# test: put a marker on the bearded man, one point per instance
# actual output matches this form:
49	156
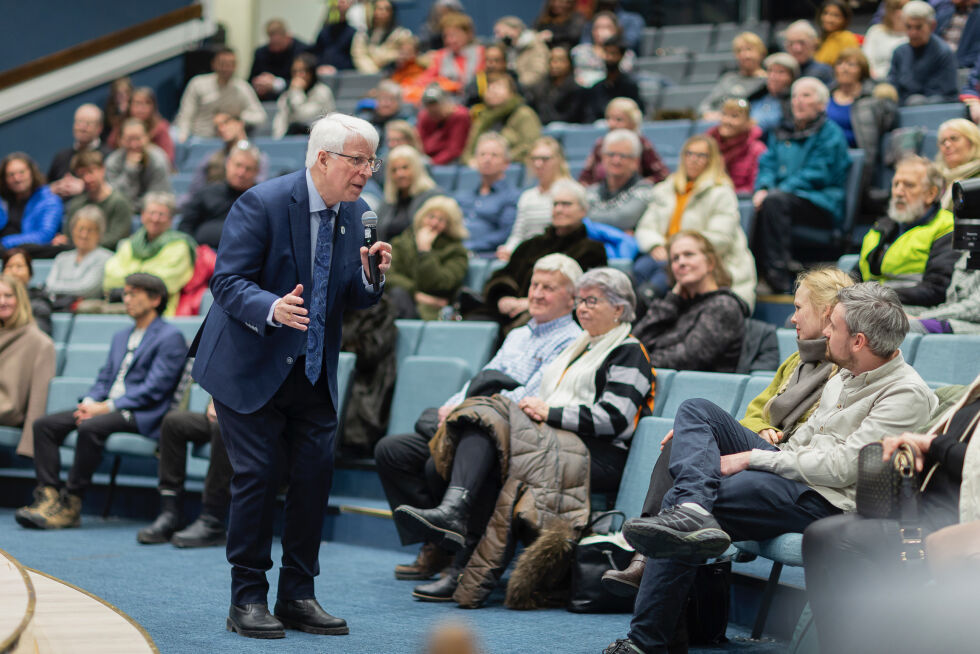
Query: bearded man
911	250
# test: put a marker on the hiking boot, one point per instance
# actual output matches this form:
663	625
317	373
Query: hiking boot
44	497
63	513
430	560
444	525
623	646
677	532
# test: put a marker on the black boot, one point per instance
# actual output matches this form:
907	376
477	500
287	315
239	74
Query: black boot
440	590
206	531
166	523
444	525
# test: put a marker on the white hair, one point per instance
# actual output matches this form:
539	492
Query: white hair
823	95
623	136
919	9
573	187
802	26
561	263
330	134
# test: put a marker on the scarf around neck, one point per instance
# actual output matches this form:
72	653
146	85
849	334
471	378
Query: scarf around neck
963	171
802	390
570	378
144	249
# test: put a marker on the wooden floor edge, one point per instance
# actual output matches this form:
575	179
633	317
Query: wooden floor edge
11	640
142	631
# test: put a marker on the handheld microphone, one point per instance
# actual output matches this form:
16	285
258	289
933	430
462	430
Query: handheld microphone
370	221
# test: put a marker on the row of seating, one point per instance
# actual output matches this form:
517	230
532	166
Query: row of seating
705	37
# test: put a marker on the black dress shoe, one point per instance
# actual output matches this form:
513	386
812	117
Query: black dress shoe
440	590
161	530
307	615
206	531
254	621
444	525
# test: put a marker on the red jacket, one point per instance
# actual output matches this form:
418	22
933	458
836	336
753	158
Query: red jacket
444	141
741	154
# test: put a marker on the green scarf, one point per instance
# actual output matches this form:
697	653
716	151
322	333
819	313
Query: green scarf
144	249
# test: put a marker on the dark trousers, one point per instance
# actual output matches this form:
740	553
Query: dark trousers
773	239
177	430
750	505
50	432
295	430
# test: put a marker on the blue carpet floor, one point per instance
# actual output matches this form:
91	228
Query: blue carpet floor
181	598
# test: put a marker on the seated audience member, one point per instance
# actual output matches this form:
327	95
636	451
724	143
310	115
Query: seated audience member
526	55
699	197
740	141
959	154
408	71
407	187
333	44
443	126
547	163
138	167
272	62
86	128
29	212
559	23
90	168
156	249
770	106
432	261
489	211
923	71
387	107
209	94
700	323
617	83
958	25
27	363
17	263
800	41
133	391
506	114
494	67
143	107
750	78
970	95
630	23
402	132
834	19
375	49
589	399
455	64
882	38
231	131
203	215
303	101
116	106
621	197
77	274
959	313
558	97
776	412
624	113
505	294
588	59
722	469
430	34
861	573
178	429
911	249
800	181
404	462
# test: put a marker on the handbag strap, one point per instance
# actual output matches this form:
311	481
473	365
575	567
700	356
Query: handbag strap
596	517
912	550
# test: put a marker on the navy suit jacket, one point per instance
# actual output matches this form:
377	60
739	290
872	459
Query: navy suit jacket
265	251
152	378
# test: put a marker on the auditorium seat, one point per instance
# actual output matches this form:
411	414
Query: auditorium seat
474	342
423	382
949	358
84	359
723	389
96	330
643	455
409	333
755	385
662	390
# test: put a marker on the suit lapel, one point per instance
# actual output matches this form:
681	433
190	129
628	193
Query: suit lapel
299	227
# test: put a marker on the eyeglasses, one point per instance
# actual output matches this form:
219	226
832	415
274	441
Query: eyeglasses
590	301
373	164
703	156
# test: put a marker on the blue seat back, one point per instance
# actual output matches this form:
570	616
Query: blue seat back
96	330
930	116
65	392
444	176
477	273
910	347
644	452
662	390
473	342
84	359
61	326
424	382
188	326
846	262
949	358
755	385
723	389
199	399
409	333
195	153
667	136
787	342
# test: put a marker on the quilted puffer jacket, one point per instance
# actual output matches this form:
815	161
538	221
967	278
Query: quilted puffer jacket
545	475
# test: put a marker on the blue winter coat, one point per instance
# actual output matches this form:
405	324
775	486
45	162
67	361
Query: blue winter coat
811	165
40	222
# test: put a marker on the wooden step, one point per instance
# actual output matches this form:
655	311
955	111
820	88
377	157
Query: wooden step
17	603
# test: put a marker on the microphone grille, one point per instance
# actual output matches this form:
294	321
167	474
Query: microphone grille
369	219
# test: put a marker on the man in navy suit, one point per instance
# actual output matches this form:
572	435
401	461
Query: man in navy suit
291	261
133	391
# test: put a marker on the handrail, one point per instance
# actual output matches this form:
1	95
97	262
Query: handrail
99	45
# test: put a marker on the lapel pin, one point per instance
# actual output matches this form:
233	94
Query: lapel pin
342	231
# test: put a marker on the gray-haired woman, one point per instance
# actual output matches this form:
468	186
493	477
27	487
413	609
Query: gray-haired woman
78	273
597	389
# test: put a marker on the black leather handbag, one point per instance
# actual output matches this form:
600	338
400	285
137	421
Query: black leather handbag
890	490
599	550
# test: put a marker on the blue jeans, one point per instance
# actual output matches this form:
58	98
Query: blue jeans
750	505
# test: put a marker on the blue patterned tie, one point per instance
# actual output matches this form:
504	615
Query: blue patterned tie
318	300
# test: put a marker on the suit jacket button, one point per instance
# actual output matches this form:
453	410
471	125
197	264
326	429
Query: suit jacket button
289	360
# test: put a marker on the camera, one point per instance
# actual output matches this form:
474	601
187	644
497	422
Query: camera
966	220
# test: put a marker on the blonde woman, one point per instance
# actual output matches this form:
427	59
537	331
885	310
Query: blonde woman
401	132
624	113
959	154
698	197
407	185
429	260
750	77
882	38
547	163
27	363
